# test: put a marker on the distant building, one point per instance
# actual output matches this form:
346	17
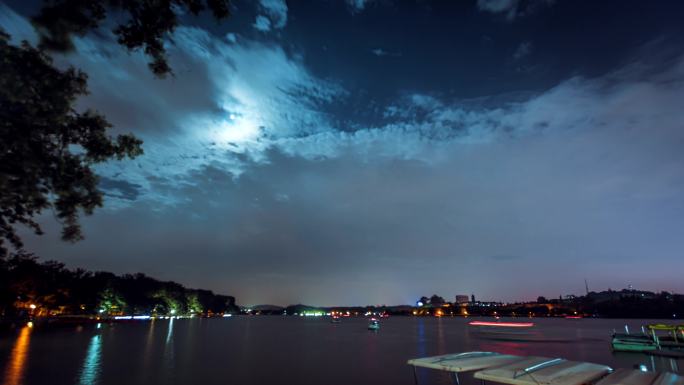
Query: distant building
486	304
461	299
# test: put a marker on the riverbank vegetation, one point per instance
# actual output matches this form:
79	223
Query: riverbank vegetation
29	287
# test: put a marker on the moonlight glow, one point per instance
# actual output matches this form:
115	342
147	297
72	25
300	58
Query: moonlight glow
372	152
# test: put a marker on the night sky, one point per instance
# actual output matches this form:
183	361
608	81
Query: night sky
370	152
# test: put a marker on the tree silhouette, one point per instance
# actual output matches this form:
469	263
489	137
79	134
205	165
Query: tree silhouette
145	25
47	146
436	300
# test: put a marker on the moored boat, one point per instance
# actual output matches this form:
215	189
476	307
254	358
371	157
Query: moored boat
531	370
623	342
653	337
374	324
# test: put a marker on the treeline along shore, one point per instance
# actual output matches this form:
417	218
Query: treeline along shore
626	303
30	289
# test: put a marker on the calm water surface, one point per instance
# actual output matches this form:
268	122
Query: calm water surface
284	350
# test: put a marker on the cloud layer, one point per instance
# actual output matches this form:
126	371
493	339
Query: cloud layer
251	185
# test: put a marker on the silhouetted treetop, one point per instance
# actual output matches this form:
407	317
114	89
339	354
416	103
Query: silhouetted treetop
48	147
146	23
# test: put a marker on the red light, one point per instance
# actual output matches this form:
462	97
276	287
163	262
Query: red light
573	317
502	324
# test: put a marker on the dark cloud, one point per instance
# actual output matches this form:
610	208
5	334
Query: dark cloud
523	50
512	8
119	188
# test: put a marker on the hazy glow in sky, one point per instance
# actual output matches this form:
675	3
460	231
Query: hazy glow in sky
364	152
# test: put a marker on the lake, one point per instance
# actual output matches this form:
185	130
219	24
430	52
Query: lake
281	350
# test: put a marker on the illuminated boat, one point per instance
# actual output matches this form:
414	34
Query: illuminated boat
374	324
335	319
510	331
501	324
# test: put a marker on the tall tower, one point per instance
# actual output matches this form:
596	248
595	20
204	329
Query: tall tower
586	286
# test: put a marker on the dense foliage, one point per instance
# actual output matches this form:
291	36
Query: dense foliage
57	290
144	24
47	148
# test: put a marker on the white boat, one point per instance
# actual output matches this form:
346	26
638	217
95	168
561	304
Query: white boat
545	371
522	370
461	362
374	324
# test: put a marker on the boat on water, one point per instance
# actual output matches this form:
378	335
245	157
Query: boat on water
498	330
498	324
533	370
652	337
512	331
335	319
374	324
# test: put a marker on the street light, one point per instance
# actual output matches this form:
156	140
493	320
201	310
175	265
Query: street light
32	306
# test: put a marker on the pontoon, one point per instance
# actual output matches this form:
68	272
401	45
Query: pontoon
658	336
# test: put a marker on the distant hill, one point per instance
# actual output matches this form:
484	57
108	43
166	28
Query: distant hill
265	308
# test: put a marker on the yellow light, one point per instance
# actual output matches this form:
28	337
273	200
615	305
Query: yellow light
14	372
30	324
32	306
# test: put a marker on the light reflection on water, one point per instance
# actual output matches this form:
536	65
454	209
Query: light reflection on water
91	365
16	367
169	358
148	353
265	350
